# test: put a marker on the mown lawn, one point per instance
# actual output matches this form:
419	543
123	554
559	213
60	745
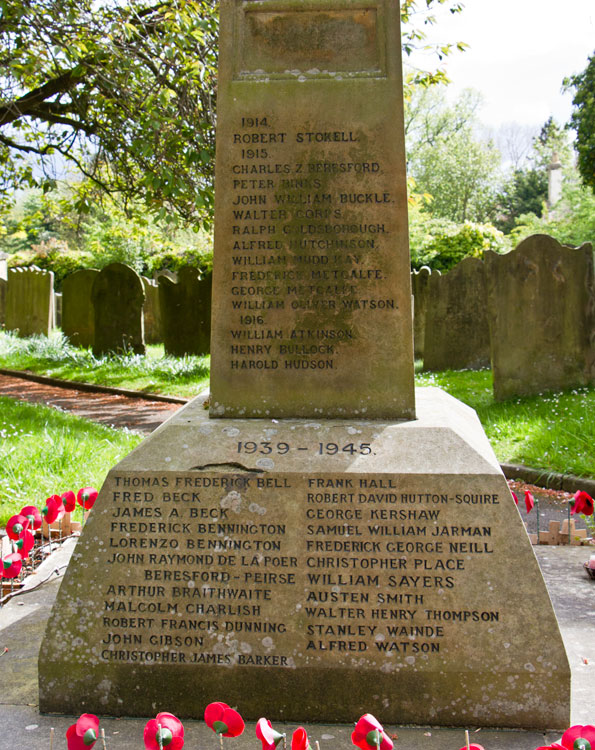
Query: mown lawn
44	451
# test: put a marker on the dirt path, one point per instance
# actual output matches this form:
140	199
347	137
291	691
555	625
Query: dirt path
138	414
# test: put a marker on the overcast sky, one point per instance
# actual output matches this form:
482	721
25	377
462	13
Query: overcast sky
519	53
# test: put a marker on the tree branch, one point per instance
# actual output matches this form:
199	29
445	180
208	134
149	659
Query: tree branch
32	99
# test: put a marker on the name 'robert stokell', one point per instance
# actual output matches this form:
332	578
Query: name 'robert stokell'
333	136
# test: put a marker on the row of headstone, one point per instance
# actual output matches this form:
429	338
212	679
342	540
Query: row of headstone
117	310
530	313
111	310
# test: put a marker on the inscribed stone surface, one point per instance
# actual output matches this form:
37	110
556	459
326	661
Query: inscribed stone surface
312	294
457	335
117	296
541	306
78	315
310	571
186	312
29	301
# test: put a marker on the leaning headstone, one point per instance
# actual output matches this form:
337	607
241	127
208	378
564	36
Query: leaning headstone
117	296
57	304
541	308
151	311
186	312
29	301
420	280
318	567
457	335
78	315
3	285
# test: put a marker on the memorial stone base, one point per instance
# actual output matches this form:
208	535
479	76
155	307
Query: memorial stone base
309	570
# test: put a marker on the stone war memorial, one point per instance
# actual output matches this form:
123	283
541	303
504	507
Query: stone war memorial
313	541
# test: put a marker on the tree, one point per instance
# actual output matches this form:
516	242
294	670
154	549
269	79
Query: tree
525	192
121	90
583	120
124	91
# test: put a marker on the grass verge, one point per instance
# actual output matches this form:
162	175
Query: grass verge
551	431
54	357
44	451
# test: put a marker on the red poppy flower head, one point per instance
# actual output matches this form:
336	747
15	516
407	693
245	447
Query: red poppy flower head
473	746
33	514
86	497
11	565
267	735
24	545
514	497
16	526
83	735
370	735
69	500
164	731
529	501
224	720
53	510
579	737
299	740
583	503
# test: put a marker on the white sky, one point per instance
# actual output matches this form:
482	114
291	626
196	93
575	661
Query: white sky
519	53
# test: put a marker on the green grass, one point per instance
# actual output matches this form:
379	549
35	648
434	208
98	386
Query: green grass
44	451
552	431
53	356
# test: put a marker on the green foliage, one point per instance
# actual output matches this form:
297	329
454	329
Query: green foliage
572	221
525	192
442	244
583	120
447	160
122	90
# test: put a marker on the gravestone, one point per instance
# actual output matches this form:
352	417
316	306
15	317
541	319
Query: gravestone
186	312
78	314
57	305
151	311
117	296
29	301
3	285
315	567
457	335
420	281
541	308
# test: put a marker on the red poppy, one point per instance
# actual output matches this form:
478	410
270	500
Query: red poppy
369	734
54	509
33	514
165	730
267	735
84	733
16	526
473	746
578	737
515	498
86	497
24	545
299	740
11	565
69	500
583	503
529	501
224	720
